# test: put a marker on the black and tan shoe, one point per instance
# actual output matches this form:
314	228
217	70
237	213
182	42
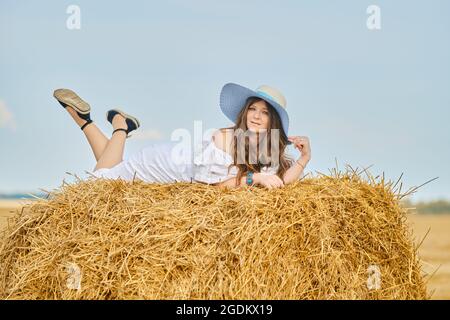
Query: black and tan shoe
132	122
68	98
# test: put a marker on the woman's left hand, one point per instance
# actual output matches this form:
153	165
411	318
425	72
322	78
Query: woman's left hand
302	144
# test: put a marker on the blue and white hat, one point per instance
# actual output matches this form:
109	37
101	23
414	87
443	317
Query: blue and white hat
234	96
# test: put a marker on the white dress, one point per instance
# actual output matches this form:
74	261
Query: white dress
161	163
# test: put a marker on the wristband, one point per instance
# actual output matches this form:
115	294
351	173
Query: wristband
249	179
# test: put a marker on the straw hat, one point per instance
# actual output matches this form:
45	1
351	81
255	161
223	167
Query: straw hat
234	96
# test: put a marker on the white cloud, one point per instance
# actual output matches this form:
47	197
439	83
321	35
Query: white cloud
147	135
6	117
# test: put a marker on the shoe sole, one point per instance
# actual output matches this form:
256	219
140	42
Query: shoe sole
126	116
71	99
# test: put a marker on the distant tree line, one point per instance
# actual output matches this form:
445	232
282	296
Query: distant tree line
428	207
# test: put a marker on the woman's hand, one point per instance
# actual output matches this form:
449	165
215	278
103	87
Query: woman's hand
268	180
302	144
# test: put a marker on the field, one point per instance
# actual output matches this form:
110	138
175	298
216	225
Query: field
434	251
7	209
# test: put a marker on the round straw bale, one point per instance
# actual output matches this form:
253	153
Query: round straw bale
337	236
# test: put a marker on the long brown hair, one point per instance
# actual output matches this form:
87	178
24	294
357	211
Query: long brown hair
284	161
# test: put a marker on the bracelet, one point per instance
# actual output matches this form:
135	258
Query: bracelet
249	179
300	164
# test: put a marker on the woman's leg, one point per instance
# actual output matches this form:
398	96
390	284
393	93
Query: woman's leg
94	135
113	152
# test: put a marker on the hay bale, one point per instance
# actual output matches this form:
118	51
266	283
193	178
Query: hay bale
315	239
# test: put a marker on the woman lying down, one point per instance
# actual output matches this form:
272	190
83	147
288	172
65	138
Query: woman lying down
252	152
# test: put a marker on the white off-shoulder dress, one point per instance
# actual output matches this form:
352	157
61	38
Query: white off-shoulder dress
161	163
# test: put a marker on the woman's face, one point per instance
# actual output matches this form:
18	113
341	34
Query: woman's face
258	116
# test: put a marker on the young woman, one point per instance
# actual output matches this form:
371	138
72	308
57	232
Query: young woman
228	158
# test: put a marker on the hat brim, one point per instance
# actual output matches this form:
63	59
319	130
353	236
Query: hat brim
234	96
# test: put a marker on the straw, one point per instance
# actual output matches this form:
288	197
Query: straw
336	236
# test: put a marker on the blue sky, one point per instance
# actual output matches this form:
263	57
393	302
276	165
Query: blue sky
363	97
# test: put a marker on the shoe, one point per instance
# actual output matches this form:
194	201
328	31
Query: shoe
132	122
68	98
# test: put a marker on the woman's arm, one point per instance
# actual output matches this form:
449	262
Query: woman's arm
231	183
291	175
295	171
302	144
268	181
